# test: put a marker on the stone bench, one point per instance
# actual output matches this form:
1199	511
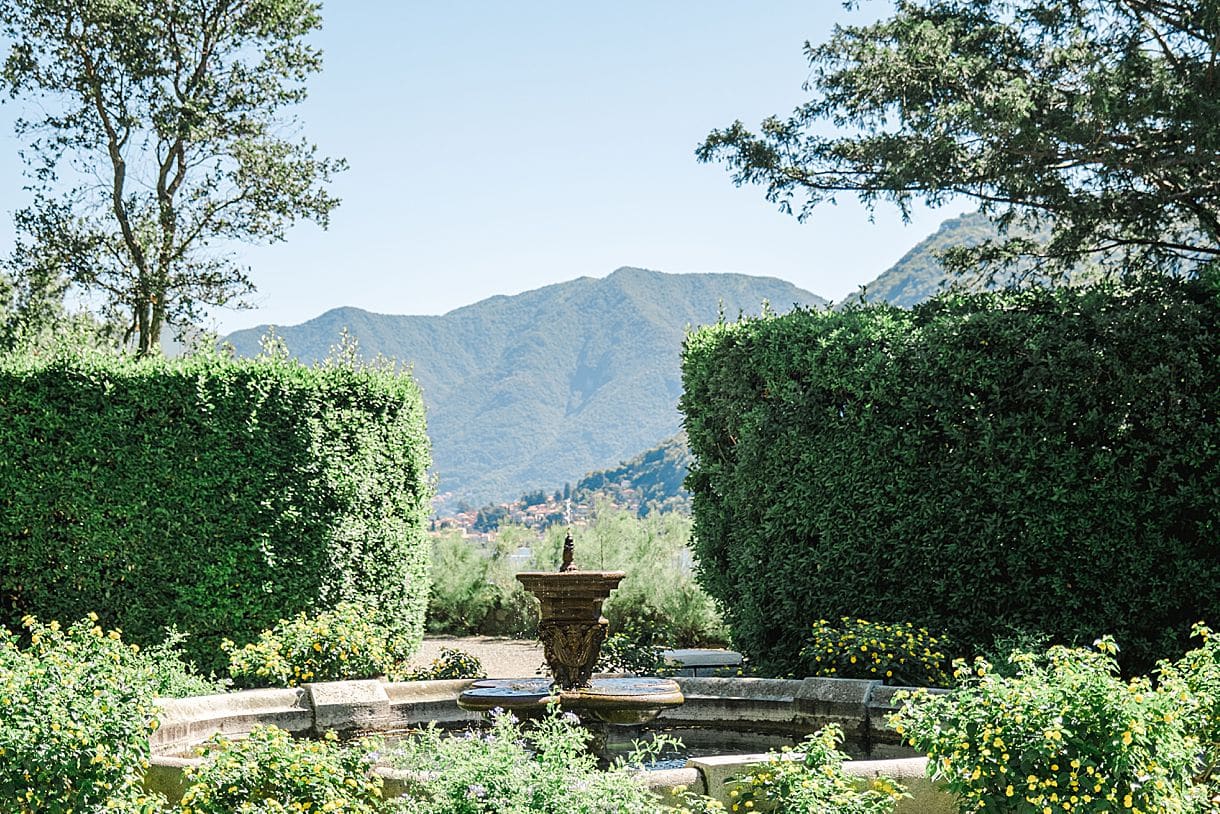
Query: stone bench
701	663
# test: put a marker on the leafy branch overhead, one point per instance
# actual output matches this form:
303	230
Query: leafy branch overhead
159	136
1090	129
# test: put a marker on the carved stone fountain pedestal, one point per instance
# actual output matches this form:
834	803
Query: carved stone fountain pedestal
572	630
572	627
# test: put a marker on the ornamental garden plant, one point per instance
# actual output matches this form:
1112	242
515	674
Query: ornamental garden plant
214	494
340	644
899	654
514	768
269	772
1065	733
76	711
900	464
1195	679
814	783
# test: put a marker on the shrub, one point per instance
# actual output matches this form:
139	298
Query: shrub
172	676
76	712
475	589
858	648
1042	461
632	648
272	773
450	664
337	645
1064	733
1195	680
814	783
462	595
221	494
540	769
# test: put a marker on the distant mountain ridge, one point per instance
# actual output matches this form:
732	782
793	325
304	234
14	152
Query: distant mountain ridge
650	482
918	275
539	388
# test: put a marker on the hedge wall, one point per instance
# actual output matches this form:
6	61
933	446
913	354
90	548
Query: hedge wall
211	494
1046	461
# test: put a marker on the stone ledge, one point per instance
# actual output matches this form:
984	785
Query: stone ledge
185	722
348	706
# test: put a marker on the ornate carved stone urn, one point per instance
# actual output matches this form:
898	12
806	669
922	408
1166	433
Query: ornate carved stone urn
572	629
571	624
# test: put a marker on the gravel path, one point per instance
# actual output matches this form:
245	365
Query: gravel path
501	657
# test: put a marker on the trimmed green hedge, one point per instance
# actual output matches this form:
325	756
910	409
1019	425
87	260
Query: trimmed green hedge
215	495
1043	462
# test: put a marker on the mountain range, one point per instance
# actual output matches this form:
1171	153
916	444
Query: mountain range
918	274
529	391
537	389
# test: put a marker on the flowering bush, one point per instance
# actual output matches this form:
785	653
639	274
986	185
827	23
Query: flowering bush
1195	681
1064	734
541	769
75	715
270	773
450	664
858	648
816	783
340	644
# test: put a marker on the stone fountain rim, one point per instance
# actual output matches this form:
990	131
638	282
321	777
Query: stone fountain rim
571	576
308	709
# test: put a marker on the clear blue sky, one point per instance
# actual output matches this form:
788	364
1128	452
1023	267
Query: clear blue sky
497	147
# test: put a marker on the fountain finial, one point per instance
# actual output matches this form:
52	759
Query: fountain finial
569	548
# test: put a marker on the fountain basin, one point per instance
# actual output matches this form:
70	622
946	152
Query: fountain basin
625	701
786	709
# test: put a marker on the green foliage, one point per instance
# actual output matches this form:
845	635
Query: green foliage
218	494
479	593
1092	118
528	391
171	674
462	595
635	647
544	768
815	783
857	648
1195	680
1064	729
270	773
1042	462
450	664
659	589
160	137
476	590
336	645
76	711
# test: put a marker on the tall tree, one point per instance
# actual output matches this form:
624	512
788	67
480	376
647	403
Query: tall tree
160	138
1092	127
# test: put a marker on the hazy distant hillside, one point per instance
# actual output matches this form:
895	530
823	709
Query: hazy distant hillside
919	274
539	388
653	479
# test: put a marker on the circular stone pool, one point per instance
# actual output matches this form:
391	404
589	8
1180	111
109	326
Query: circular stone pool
719	715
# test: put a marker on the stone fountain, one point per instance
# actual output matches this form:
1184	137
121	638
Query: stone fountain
572	629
